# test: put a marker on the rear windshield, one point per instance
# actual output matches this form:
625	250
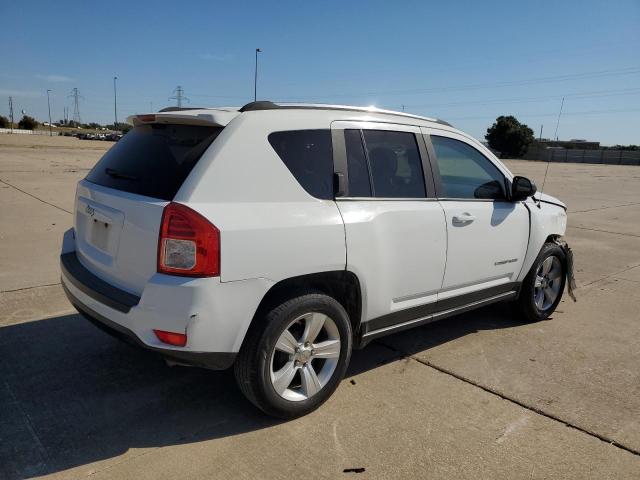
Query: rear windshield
153	160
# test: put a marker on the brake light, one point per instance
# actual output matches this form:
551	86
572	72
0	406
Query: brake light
146	118
188	244
171	338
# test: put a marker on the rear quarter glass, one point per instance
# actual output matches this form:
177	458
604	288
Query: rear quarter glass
308	156
154	159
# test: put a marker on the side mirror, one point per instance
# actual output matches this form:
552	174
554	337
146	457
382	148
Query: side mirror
522	188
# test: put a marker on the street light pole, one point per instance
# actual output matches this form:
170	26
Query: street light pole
255	78
115	105
49	106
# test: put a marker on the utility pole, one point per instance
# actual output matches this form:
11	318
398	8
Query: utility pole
255	77
49	107
11	113
558	124
540	138
115	105
403	108
76	106
179	96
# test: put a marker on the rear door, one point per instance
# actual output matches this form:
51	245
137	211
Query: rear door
395	229
119	204
487	234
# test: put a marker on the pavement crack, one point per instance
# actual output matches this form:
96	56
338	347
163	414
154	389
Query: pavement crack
30	427
604	208
611	275
30	288
607	231
506	397
37	198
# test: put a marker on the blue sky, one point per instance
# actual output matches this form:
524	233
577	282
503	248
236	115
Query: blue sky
466	61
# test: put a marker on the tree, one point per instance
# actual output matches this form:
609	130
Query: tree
27	123
510	137
4	122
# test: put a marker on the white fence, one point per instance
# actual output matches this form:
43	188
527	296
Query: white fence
27	132
570	155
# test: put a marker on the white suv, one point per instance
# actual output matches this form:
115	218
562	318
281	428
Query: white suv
278	237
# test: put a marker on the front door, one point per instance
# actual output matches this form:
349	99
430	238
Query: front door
487	234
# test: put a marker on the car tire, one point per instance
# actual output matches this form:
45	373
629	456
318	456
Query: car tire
289	363
542	288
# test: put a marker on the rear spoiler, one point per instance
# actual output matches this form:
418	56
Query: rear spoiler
205	116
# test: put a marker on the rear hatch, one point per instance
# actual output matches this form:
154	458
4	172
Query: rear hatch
118	208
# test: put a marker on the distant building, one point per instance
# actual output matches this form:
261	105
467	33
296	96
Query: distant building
569	144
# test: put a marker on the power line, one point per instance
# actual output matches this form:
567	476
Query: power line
218	96
533	81
592	94
467	63
553	114
179	96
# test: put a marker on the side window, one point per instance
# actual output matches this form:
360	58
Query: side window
308	156
465	172
359	181
394	161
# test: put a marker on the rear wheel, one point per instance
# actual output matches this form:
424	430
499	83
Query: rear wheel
543	286
294	358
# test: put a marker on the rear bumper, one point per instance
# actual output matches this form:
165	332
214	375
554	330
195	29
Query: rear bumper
95	287
214	315
213	361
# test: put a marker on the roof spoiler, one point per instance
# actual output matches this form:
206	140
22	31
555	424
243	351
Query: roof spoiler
185	116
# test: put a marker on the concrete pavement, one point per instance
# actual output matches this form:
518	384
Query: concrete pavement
481	395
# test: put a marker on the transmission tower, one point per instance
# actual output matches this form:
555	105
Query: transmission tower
76	105
11	113
179	96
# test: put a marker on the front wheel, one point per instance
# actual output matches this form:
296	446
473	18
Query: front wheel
543	286
294	358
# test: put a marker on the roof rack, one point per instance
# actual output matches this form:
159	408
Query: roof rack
268	105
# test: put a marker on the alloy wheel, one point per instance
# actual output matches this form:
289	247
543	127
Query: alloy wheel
548	283
305	356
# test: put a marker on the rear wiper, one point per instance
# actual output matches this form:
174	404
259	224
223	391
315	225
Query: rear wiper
116	174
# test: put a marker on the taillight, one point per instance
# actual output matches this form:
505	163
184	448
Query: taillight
171	338
189	244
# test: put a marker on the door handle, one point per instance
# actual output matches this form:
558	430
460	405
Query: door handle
463	219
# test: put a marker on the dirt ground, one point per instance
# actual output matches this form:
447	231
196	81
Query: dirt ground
480	395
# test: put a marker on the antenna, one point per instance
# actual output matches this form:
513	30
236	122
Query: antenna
548	156
558	124
179	96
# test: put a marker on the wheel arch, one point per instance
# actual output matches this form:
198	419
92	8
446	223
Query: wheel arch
343	285
546	225
552	238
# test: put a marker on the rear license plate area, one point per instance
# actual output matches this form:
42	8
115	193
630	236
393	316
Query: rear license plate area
100	233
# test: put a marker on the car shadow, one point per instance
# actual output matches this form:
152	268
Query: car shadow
413	341
71	395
